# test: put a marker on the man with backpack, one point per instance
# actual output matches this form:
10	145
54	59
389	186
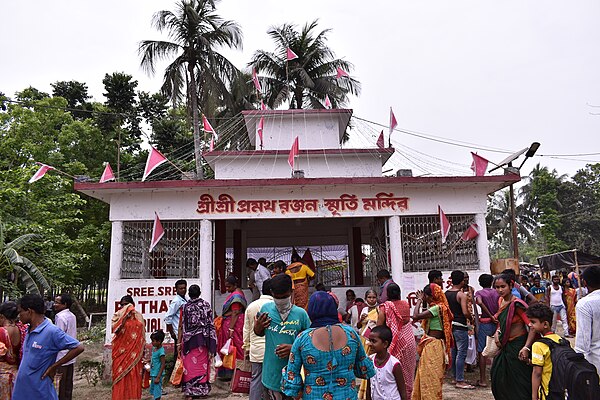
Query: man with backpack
558	371
587	311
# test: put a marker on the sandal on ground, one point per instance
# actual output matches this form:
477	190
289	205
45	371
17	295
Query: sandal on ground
479	384
464	386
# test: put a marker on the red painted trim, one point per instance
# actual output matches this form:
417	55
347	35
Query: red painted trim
237	255
220	256
298	111
504	180
357	255
261	153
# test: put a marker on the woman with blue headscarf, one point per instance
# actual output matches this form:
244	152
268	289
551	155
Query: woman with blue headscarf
331	354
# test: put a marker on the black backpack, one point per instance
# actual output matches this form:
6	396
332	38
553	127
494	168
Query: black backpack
572	374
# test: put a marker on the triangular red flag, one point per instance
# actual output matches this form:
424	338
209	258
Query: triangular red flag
293	153
380	141
471	233
291	55
155	158
479	164
340	73
255	80
107	175
327	102
208	128
40	172
308	259
393	122
259	130
157	232
444	224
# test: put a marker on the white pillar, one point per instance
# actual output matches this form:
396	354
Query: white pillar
206	259
114	273
395	242
483	252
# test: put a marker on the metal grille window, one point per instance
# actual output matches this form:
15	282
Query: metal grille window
422	247
176	255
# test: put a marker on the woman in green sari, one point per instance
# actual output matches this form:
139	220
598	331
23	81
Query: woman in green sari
511	377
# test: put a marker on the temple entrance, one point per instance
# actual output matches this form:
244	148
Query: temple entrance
341	251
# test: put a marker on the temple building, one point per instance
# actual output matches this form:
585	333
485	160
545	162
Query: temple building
335	206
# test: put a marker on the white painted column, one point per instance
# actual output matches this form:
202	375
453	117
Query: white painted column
395	241
114	273
206	259
483	251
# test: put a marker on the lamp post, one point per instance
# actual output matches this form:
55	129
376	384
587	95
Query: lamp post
515	240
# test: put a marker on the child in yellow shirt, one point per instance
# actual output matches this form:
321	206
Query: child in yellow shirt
540	316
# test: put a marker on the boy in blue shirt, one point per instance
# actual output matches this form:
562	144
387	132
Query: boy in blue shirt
42	343
157	365
280	322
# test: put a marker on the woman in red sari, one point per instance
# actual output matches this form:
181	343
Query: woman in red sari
395	313
231	325
11	340
571	297
129	338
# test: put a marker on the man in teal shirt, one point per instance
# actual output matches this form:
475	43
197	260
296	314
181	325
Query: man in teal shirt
280	322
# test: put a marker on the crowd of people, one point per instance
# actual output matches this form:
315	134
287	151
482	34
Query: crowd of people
303	345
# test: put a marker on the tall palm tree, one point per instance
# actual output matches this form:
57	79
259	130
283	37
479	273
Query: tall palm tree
498	220
195	32
306	80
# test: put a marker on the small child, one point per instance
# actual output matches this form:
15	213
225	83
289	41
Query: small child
157	367
540	316
388	382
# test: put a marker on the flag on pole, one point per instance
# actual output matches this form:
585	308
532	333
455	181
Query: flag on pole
294	151
444	224
340	73
471	233
259	130
479	164
157	232
393	122
212	144
255	80
107	175
155	158
263	105
208	128
291	55
380	141
327	102
40	173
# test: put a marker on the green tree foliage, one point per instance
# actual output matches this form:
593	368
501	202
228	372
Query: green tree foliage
195	33
306	80
71	231
76	94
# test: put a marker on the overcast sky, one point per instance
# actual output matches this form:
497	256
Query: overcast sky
496	74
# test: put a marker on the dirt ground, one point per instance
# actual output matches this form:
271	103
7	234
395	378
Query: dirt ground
85	391
94	351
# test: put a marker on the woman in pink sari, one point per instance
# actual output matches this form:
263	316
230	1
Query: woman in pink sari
395	313
199	343
232	323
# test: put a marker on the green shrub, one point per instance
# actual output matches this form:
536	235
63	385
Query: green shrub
91	370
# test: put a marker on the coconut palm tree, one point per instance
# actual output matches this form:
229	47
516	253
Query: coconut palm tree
19	267
306	80
195	32
499	220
